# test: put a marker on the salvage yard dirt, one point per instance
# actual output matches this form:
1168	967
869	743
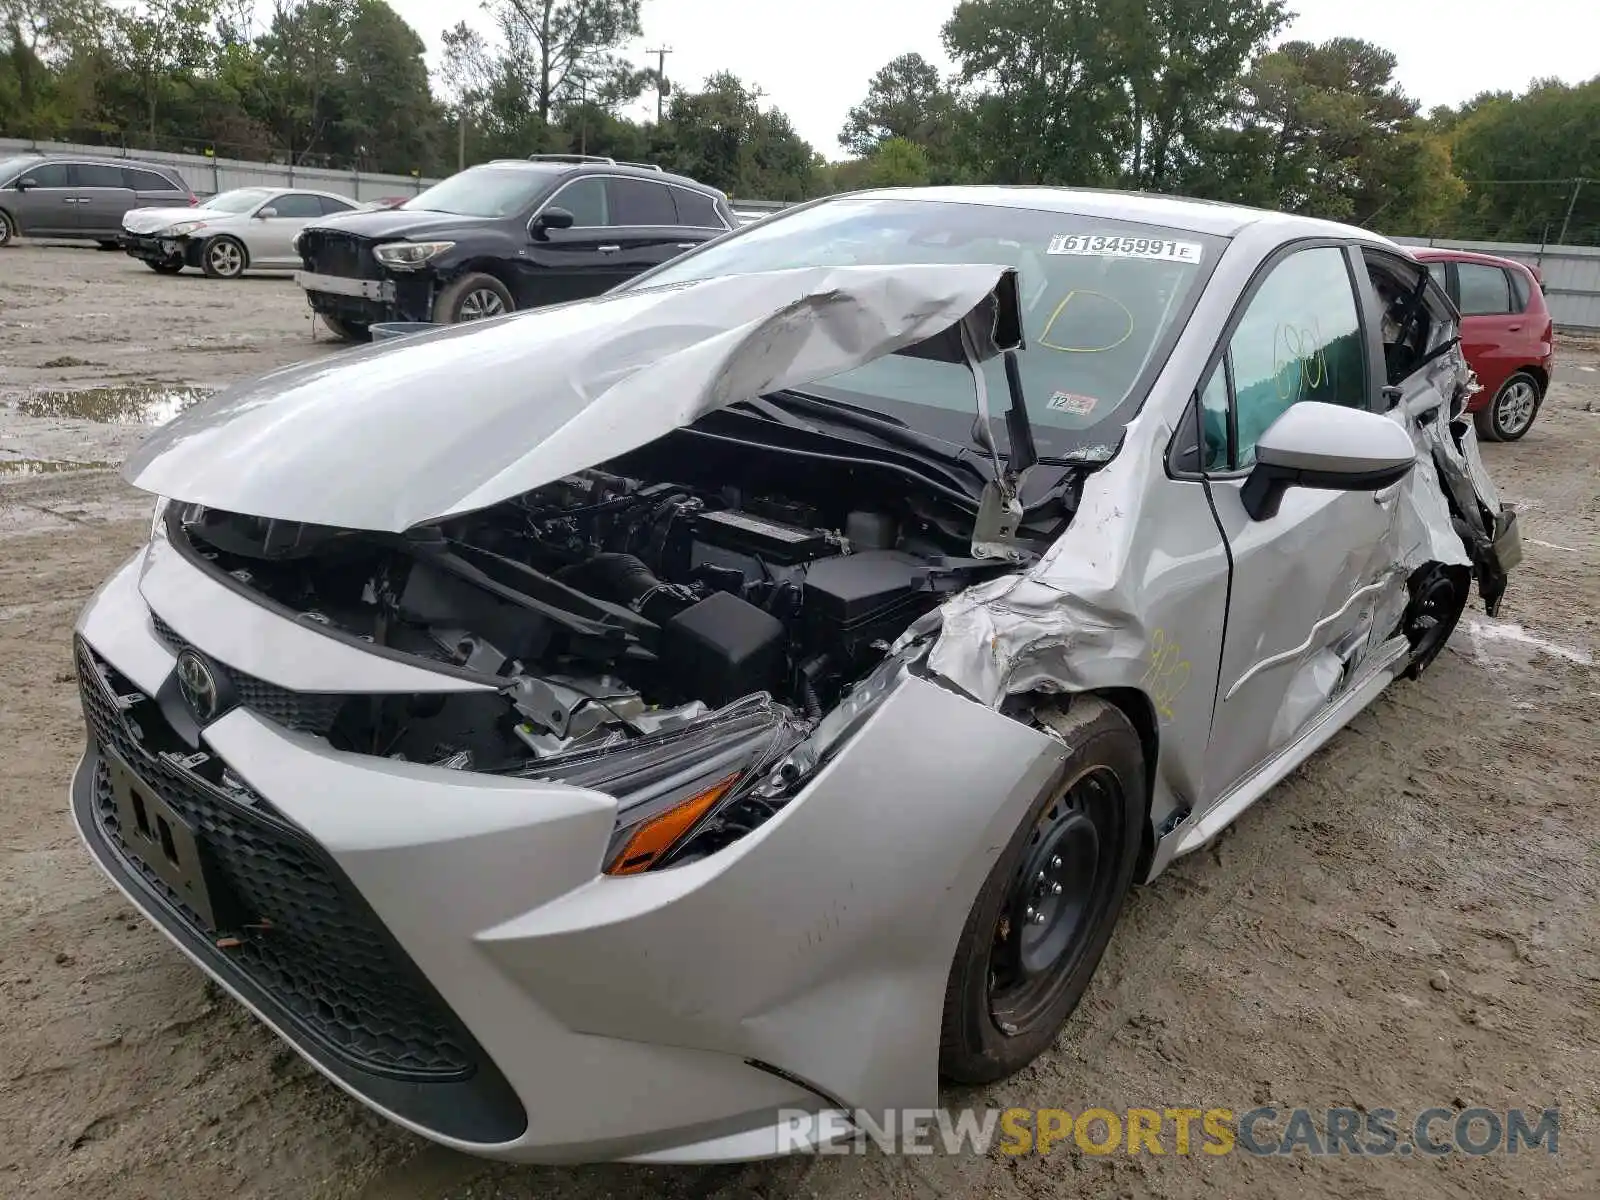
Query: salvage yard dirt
1411	920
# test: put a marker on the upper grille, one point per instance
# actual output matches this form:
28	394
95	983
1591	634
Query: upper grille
311	943
334	253
308	712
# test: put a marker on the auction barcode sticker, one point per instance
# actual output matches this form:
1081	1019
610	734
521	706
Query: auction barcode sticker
1114	246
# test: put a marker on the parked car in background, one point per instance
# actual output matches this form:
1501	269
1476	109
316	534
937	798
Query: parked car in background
1506	332
56	196
246	229
506	235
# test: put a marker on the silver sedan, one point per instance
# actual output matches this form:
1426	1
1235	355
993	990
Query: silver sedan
247	229
645	727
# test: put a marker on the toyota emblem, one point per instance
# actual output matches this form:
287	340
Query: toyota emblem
198	685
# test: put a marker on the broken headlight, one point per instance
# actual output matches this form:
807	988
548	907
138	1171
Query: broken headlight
669	784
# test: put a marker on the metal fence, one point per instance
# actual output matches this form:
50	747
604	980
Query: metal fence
1571	274
207	174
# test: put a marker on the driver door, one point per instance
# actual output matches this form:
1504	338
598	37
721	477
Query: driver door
1307	581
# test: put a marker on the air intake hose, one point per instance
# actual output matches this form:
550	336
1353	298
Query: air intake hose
624	579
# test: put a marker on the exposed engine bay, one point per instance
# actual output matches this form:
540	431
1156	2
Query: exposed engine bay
608	609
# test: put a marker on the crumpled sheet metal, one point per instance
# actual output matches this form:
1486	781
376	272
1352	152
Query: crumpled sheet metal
1069	621
457	420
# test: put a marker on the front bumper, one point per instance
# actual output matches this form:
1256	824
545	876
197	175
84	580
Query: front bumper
152	247
367	301
562	1015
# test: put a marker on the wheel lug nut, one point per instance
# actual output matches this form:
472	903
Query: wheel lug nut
1056	861
1032	915
1055	889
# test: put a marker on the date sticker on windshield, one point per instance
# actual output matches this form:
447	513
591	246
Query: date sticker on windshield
1098	245
1072	402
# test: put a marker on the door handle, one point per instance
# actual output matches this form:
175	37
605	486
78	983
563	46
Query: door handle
1514	328
1384	495
608	249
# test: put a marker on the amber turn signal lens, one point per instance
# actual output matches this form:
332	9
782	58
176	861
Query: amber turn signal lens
659	834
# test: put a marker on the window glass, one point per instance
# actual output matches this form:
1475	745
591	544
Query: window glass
640	202
146	181
297	205
331	205
1214	421
96	175
52	175
1483	289
1299	340
696	210
585	199
1436	270
486	191
1519	291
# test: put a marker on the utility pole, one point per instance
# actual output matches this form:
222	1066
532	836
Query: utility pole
1561	238
661	53
461	138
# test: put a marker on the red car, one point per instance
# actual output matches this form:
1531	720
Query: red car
1506	333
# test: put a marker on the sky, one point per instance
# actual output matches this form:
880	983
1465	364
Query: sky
814	58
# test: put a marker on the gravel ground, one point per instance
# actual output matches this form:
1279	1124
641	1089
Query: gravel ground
1410	920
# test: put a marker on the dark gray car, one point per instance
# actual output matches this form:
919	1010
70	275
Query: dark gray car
65	197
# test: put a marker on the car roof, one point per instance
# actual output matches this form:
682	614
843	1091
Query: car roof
1445	253
1176	212
632	170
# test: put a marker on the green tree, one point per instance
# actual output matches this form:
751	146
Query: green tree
1099	92
1325	130
721	135
1523	157
161	44
896	162
905	99
573	46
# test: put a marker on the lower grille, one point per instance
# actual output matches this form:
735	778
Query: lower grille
311	943
307	712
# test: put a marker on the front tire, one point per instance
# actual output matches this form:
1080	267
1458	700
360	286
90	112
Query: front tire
223	258
1510	414
347	331
473	297
1040	925
8	228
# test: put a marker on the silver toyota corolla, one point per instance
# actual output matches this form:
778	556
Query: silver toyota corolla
602	732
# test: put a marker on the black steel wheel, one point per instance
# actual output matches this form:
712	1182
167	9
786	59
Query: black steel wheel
1040	925
1438	598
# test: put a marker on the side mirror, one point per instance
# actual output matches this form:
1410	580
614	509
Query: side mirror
263	213
26	182
551	218
1319	445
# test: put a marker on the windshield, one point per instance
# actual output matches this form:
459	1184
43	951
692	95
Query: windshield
14	166
237	201
1101	301
483	192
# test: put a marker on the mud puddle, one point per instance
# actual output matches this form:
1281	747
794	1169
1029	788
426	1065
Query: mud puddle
14	468
126	404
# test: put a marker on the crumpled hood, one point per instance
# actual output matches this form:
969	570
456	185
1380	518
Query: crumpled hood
153	220
404	433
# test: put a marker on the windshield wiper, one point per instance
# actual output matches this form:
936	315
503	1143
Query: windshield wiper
885	428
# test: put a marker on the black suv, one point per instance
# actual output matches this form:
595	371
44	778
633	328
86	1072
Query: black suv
506	235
